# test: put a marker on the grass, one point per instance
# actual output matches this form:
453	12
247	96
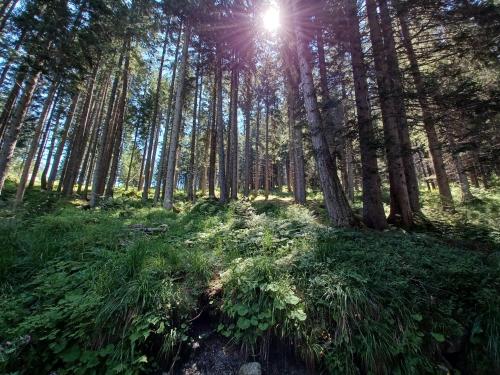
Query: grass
86	291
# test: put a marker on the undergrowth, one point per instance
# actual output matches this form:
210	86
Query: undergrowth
92	291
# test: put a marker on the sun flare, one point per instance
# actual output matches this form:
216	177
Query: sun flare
271	19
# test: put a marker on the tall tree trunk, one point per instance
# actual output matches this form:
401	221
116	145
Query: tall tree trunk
336	203
164	149
396	93
14	126
10	102
257	144
432	137
134	145
373	209
266	153
43	143
55	133
79	138
213	142
248	131
149	157
100	171
60	147
191	193
12	57
292	86
400	199
220	131
21	187
462	176
171	161
120	119
233	156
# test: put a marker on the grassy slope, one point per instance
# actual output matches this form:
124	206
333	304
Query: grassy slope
83	292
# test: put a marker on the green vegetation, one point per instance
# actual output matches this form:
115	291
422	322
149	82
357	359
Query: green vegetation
92	291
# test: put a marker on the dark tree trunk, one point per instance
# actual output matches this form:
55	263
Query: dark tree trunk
168	202
220	131
192	152
248	131
336	203
213	142
373	210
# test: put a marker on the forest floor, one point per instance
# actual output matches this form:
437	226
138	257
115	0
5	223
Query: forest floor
130	288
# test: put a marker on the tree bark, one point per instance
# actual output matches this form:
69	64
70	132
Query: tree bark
60	147
14	126
432	137
192	152
336	203
234	132
168	203
149	157
220	131
373	210
164	150
248	130
213	142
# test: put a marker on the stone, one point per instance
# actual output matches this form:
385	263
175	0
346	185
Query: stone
251	368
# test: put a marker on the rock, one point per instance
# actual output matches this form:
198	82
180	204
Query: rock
251	368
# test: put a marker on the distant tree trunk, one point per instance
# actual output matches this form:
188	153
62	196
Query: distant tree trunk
233	156
213	142
248	131
141	171
55	134
79	139
62	141
168	203
292	87
432	137
43	143
14	126
21	187
266	153
336	203
192	152
149	157
257	156
120	119
373	209
164	149
462	176
134	145
397	95
220	131
100	171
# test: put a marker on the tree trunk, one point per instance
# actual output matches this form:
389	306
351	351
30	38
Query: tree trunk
48	159
257	144
191	191
6	13
233	156
120	118
400	199
10	102
149	157
397	95
248	130
336	203
21	187
99	178
168	203
134	145
60	147
213	142
220	131
373	209
164	150
432	137
14	126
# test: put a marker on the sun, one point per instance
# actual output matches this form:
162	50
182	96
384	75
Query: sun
271	19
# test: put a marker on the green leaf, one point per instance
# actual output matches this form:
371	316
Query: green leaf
243	323
438	337
71	354
292	299
417	317
263	326
299	315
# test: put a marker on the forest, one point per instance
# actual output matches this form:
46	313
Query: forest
277	187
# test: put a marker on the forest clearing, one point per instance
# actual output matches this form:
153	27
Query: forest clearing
277	187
